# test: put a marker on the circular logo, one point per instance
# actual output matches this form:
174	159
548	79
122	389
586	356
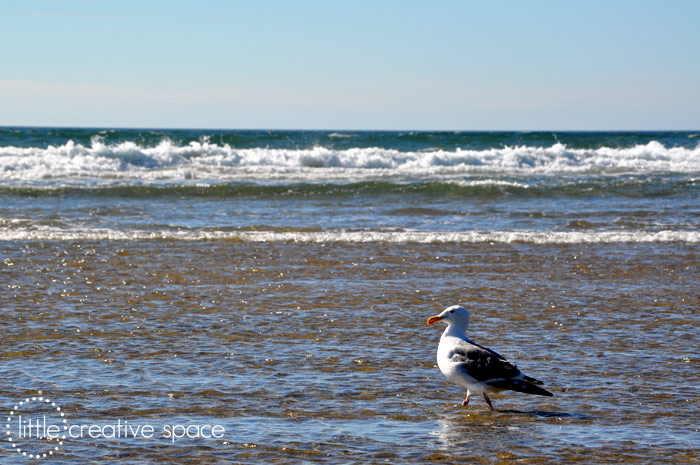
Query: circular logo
36	427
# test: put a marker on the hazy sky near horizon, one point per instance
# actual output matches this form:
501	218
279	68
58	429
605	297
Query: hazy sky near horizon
452	65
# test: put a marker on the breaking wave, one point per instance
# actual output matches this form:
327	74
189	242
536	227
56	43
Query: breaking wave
168	161
48	233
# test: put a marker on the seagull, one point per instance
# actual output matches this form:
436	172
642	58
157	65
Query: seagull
476	368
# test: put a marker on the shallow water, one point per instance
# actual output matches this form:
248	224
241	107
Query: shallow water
319	352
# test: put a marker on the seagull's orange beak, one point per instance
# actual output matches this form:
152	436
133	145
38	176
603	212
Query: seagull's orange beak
434	319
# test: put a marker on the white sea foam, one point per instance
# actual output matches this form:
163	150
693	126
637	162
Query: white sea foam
488	182
204	160
46	233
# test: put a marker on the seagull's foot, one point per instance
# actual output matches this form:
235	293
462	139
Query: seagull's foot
488	401
465	401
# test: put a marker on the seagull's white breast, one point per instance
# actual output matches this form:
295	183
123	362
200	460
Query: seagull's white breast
451	369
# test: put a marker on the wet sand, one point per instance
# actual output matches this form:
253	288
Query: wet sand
320	352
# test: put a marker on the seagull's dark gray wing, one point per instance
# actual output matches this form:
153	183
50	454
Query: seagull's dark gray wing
483	364
487	366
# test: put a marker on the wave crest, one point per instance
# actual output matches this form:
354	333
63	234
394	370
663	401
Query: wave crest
205	160
48	233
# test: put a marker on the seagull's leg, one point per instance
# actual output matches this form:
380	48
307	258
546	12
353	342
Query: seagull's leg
488	401
466	400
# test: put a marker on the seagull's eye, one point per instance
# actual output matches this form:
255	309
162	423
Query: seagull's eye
452	311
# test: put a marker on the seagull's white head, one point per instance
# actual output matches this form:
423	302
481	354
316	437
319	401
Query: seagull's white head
454	316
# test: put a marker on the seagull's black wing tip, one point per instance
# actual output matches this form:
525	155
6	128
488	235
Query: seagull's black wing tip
533	380
520	386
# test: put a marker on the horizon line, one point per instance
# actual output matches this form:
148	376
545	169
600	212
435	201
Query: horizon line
202	128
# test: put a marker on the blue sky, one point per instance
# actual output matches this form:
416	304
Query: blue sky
453	65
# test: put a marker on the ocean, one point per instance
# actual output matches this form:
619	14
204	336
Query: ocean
273	286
